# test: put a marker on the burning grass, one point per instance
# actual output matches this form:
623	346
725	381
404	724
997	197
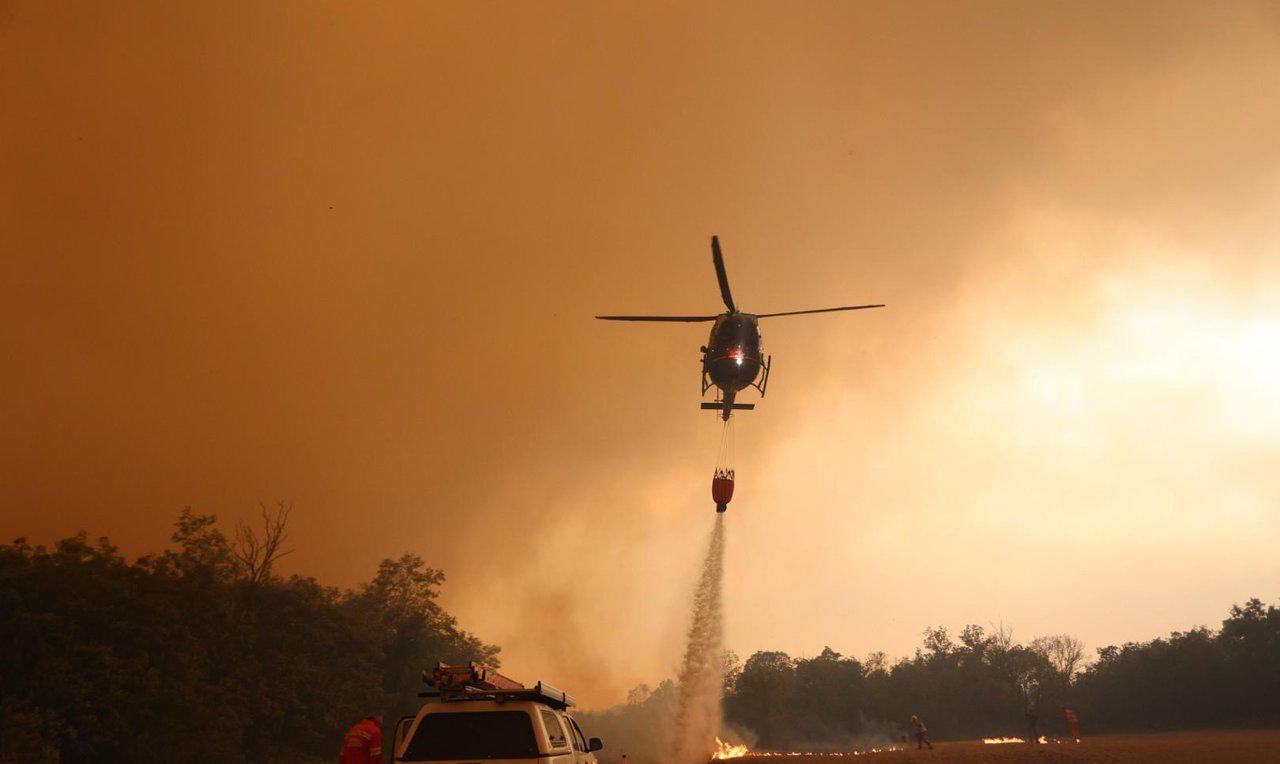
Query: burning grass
736	751
1208	747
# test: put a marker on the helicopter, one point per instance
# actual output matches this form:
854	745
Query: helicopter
732	359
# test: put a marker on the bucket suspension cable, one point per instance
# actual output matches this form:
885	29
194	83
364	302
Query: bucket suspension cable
723	475
725	454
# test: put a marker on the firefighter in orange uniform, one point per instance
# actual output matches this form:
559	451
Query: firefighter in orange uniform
922	733
363	743
1073	723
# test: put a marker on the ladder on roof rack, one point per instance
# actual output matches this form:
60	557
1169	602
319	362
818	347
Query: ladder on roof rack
475	681
540	693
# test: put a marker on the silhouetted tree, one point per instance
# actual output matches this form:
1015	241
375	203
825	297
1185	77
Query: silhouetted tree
763	695
1196	678
258	554
1063	651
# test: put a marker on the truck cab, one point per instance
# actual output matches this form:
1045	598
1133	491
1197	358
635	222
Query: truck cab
469	725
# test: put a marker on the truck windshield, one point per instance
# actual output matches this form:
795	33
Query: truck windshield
476	735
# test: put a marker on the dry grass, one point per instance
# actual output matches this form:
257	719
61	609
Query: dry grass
1211	747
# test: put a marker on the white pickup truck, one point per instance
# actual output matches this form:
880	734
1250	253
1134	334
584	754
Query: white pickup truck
500	726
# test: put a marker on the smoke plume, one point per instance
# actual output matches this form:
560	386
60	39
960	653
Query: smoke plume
701	685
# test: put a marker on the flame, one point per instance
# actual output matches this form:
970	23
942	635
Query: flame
738	751
729	750
1002	740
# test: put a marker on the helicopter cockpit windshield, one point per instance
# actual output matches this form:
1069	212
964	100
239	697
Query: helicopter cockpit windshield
737	337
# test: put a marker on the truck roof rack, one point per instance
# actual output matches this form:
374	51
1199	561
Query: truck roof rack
540	693
476	681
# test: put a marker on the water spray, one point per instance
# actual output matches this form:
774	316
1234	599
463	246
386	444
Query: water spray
701	681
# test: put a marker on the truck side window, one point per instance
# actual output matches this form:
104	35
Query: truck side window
568	728
579	740
555	733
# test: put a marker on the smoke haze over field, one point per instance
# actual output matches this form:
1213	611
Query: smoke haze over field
348	256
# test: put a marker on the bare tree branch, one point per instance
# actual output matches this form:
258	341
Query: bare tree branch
257	554
1063	651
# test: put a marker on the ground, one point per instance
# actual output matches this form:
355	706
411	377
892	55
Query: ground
1212	747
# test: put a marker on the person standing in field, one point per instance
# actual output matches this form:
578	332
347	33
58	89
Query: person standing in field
1033	727
922	733
363	743
1073	723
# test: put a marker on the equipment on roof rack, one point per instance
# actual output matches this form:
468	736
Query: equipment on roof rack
476	681
474	675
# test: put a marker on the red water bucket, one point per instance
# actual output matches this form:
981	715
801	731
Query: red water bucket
721	491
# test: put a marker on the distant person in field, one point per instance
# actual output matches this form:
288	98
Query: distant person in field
1073	723
922	733
1033	727
363	743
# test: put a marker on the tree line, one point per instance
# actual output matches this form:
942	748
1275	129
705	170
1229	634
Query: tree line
202	653
977	684
982	683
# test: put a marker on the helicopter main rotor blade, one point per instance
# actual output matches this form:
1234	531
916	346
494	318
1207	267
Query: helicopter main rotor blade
685	319
819	310
721	276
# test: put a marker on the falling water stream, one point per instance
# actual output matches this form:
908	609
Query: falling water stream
702	669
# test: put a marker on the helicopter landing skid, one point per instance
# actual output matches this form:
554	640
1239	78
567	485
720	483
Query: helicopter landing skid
762	381
708	406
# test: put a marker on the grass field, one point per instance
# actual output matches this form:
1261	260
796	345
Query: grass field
1212	747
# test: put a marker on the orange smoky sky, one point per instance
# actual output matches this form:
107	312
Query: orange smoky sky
348	255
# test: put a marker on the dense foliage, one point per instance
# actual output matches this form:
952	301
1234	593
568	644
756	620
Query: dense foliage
642	727
979	685
983	684
1198	678
200	654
